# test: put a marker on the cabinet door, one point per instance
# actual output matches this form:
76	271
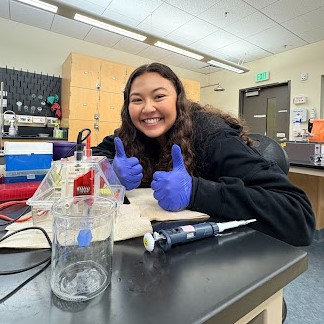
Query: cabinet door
85	71
192	89
75	126
83	103
110	105
105	129
112	77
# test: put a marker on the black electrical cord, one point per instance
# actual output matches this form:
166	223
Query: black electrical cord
9	272
78	145
46	260
80	139
3	299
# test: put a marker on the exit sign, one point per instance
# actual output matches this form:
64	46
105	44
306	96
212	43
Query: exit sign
262	76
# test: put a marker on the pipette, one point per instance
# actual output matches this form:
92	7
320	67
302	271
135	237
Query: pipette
187	233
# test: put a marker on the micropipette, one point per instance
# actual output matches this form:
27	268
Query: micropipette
187	233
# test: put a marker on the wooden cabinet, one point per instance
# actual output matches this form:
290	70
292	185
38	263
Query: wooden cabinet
92	95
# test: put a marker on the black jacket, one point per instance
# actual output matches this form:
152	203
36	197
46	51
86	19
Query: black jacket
234	182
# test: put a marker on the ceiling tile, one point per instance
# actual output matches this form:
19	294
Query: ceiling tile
313	35
256	56
244	50
198	66
147	28
284	10
178	39
4	9
217	40
222	55
308	21
193	7
276	39
259	4
31	16
130	46
70	27
120	18
226	12
154	53
137	10
247	26
194	30
174	59
166	18
95	6
102	37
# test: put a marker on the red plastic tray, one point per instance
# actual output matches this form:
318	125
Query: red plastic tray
17	191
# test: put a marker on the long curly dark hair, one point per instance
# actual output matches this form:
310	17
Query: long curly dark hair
151	155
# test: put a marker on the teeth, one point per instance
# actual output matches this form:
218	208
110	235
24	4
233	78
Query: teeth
151	120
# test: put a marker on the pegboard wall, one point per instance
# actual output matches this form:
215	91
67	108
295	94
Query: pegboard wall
27	91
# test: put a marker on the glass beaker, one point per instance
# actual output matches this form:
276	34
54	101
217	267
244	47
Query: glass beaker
82	250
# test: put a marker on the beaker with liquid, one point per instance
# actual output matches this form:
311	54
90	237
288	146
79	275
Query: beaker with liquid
82	250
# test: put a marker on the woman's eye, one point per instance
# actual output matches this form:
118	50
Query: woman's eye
135	100
159	96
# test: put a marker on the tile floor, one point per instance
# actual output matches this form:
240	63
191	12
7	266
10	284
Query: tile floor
305	295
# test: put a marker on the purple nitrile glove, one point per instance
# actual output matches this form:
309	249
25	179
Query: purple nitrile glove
128	170
173	189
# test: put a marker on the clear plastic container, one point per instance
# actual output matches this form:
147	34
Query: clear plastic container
82	249
70	178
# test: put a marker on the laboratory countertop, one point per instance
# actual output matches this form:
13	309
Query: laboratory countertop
219	279
303	164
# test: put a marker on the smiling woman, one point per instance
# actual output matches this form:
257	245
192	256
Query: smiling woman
201	159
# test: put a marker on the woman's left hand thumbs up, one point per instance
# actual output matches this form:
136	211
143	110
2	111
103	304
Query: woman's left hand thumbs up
172	189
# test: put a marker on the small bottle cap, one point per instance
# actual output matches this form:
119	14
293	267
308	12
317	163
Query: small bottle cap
149	242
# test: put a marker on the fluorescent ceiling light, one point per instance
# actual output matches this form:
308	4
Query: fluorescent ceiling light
178	50
41	5
109	27
228	67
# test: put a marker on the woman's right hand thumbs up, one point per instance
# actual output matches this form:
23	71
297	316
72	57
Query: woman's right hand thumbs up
128	170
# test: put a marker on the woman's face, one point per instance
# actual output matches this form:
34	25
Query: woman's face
152	105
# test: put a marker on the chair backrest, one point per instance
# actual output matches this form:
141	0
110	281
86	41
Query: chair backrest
270	150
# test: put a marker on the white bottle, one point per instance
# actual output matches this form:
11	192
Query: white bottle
12	128
297	130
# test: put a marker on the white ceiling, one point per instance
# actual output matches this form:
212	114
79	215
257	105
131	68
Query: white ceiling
240	31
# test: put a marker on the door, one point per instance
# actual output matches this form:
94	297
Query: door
266	110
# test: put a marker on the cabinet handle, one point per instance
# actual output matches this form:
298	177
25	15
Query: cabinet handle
86	72
85	104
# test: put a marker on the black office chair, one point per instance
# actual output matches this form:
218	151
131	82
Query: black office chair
270	150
